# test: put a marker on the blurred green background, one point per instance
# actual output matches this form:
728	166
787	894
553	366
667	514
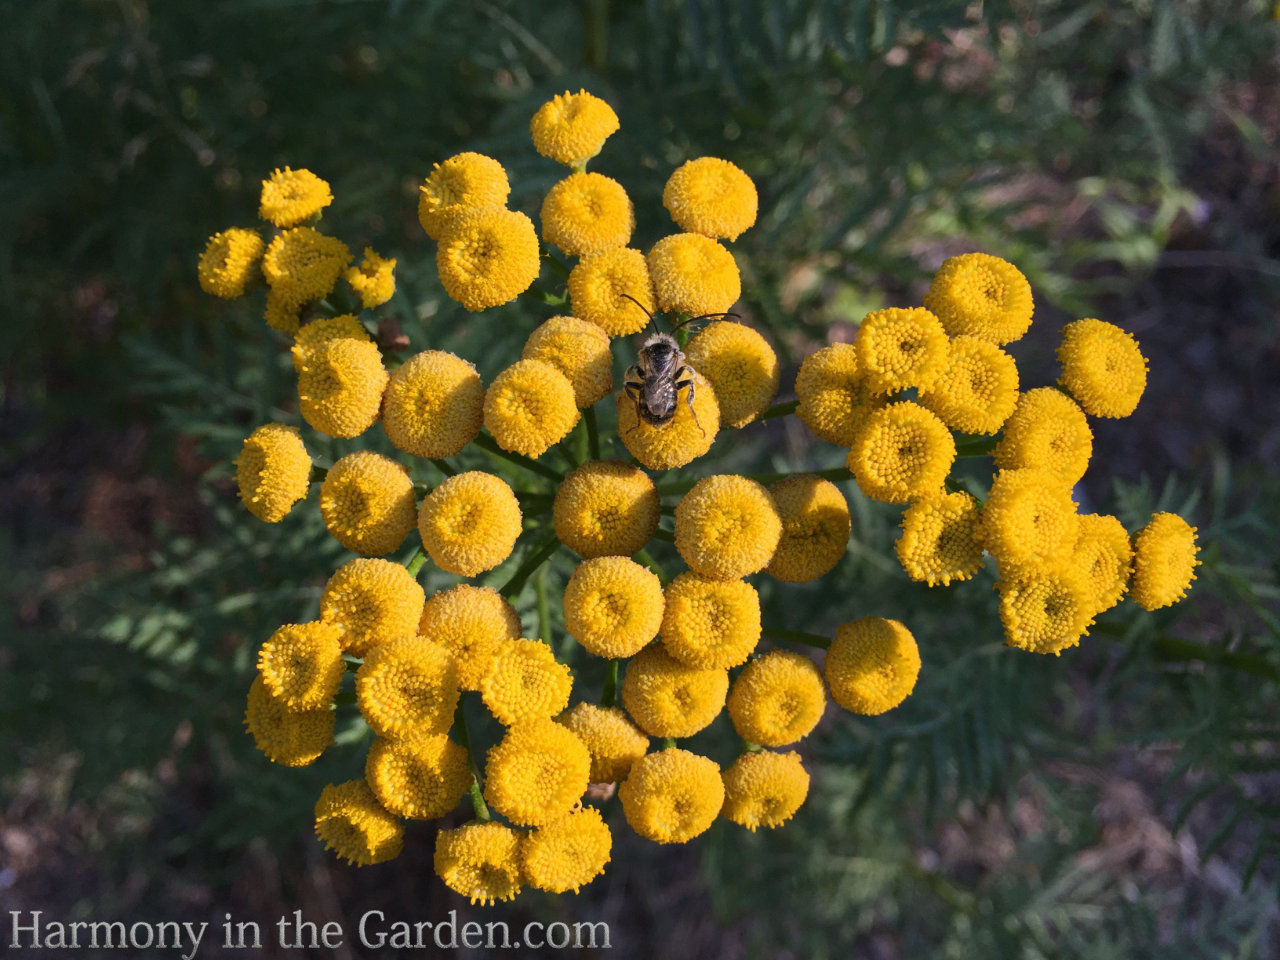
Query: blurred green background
1120	801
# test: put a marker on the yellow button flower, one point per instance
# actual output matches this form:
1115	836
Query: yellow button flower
977	388
481	861
301	664
366	501
1047	430
899	348
374	280
872	665
282	313
606	508
741	366
470	523
228	262
407	688
764	789
340	387
351	823
524	682
311	336
939	541
571	128
727	527
580	350
466	181
1104	557
1046	614
569	853
597	284
672	796
290	197
529	406
1164	561
712	197
667	698
835	399
586	213
693	274
1029	523
687	436
709	624
420	778
302	265
469	622
613	606
1103	367
433	405
487	256
371	601
292	738
903	452
983	296
815	528
613	741
273	471
777	699
536	773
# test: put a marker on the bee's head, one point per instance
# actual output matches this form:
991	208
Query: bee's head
660	349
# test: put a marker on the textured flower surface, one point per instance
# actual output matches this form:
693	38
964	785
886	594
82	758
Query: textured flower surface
302	264
301	664
524	682
710	623
373	280
612	739
712	197
407	688
667	698
901	453
899	348
419	777
1164	561
983	296
340	386
872	665
367	504
433	405
834	397
469	622
273	471
687	436
351	823
291	197
977	388
1104	556
939	541
1029	522
613	606
371	601
815	528
741	367
529	406
568	853
228	262
469	523
1103	367
1049	431
291	738
586	213
606	508
694	275
672	796
777	699
536	773
599	287
481	861
764	789
571	128
466	181
727	527
1046	614
308	338
580	350
487	256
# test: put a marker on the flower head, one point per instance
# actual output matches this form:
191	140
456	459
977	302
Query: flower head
835	399
613	606
693	274
900	348
903	452
469	622
301	664
467	181
366	501
536	773
529	406
1164	561
1103	367
420	778
777	699
872	665
322	330
939	541
470	523
374	280
741	366
340	386
1046	614
727	527
282	313
815	528
606	508
1029	522
487	256
571	128
764	789
1104	557
568	853
371	601
586	213
524	682
433	405
302	264
290	197
292	738
481	861
712	197
597	284
273	471
672	796
977	388
983	296
355	826
1048	430
667	698
407	688
613	741
227	263
708	623
687	436
580	350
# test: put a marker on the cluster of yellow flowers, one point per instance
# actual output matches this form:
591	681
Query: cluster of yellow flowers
690	643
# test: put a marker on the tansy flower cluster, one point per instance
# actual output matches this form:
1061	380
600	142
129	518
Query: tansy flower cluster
677	648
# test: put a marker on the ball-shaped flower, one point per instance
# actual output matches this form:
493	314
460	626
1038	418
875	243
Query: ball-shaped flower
667	698
366	501
1103	367
374	280
481	860
903	452
311	336
466	181
727	527
1029	523
606	508
777	699
872	665
302	264
487	256
228	262
977	388
586	213
340	387
580	350
1047	430
529	406
420	778
351	823
273	471
1046	614
694	275
982	296
1103	555
612	739
764	789
815	528
571	128
613	606
1164	561
536	773
290	197
672	796
301	664
939	541
282	313
469	622
407	688
599	287
684	438
568	853
470	523
835	399
524	682
741	367
712	197
371	601
899	348
710	624
292	738
433	405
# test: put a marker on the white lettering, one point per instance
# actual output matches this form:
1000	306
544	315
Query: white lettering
452	924
533	925
362	933
195	937
18	929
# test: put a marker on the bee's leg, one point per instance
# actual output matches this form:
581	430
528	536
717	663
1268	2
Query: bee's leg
633	386
684	378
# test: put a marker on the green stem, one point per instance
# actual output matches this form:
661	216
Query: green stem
749	747
668	743
644	559
797	636
593	432
595	33
486	442
780	410
666	536
581	442
557	265
610	696
444	467
543	295
544	607
1177	650
464	741
317	474
518	579
981	447
415	562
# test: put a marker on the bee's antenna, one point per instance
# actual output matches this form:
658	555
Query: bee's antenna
642	307
705	316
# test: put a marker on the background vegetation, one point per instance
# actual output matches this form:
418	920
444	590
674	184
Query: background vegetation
1122	800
